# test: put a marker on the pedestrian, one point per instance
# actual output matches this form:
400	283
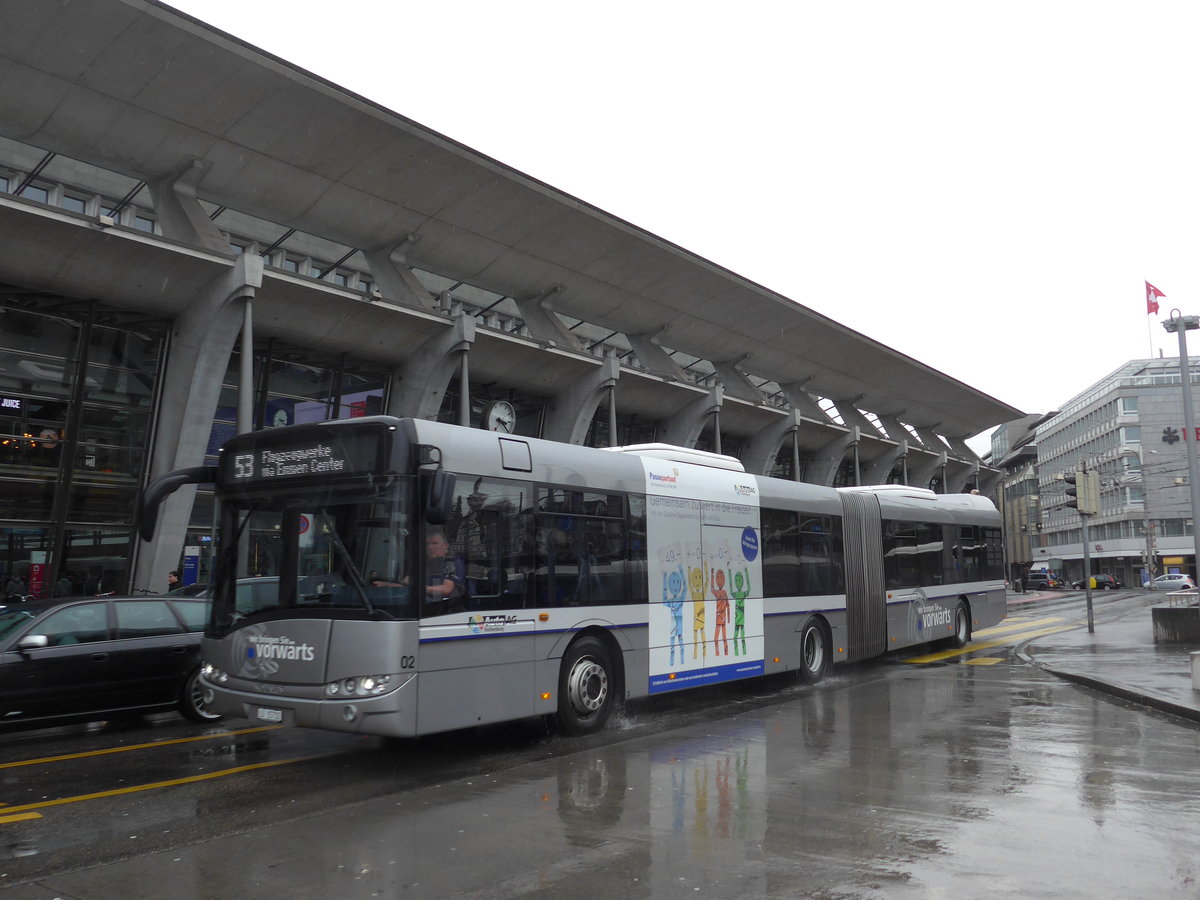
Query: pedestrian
172	580
14	589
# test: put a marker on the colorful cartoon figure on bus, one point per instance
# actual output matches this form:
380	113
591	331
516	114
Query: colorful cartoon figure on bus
696	588
740	590
720	634
673	595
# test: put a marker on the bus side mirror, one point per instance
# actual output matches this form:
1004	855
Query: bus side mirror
162	487
439	496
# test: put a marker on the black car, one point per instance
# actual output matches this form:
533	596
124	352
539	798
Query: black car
1103	583
1043	581
93	658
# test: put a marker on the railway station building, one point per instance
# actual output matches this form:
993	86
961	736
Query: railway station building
198	238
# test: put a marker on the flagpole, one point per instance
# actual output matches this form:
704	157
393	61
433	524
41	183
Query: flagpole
1152	295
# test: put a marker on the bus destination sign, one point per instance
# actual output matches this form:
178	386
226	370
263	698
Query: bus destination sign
316	458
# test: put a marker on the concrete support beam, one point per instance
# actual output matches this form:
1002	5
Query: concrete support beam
180	214
684	427
929	438
957	480
201	341
543	323
962	451
895	430
803	401
395	280
878	471
990	481
735	382
921	471
762	449
570	412
824	463
852	416
654	358
419	384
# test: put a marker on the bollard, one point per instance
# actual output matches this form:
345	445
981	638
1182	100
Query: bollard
1195	655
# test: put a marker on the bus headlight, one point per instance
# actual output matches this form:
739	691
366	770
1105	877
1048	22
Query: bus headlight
212	674
359	686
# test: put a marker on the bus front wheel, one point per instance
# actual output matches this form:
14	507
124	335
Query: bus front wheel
191	700
815	656
586	687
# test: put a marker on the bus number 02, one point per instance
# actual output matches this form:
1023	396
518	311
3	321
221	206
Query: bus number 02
408	662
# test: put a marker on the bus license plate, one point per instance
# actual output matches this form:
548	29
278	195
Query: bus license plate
270	715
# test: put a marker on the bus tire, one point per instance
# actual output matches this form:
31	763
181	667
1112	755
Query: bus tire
815	654
191	700
962	625
586	687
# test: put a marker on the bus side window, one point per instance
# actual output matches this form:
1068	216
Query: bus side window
486	532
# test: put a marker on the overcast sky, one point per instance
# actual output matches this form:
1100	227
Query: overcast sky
984	187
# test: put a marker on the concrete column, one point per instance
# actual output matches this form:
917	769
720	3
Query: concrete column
570	412
419	384
684	428
202	339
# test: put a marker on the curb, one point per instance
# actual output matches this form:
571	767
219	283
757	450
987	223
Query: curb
1106	687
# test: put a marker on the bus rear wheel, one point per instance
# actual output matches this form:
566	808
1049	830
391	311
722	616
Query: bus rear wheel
815	657
586	686
962	625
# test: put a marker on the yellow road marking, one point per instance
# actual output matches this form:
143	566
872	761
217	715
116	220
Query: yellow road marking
4	820
983	661
154	785
150	746
1015	625
973	648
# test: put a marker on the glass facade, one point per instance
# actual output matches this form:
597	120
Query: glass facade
75	404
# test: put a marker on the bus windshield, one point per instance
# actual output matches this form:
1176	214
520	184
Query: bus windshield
337	551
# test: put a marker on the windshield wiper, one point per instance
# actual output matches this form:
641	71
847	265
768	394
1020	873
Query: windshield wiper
355	576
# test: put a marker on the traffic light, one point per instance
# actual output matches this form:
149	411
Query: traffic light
1083	492
1089	493
1072	490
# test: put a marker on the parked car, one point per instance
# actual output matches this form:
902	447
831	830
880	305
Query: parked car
253	593
1173	582
1101	583
200	588
85	659
1043	581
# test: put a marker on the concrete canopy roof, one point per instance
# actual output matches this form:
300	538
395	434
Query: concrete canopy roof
140	88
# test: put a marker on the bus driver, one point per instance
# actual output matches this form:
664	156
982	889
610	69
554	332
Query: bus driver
444	590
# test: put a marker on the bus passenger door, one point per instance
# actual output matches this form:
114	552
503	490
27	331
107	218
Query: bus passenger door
477	657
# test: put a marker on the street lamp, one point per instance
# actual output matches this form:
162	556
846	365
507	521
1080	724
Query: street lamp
1147	523
1181	325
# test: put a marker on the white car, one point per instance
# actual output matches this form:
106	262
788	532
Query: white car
1173	583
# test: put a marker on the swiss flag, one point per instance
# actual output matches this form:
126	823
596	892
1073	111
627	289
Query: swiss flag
1152	295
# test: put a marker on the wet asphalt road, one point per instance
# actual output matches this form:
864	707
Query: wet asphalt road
974	776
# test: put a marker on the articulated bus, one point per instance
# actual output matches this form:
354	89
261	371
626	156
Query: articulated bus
434	577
